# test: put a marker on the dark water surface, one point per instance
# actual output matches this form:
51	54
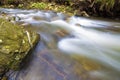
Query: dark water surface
71	48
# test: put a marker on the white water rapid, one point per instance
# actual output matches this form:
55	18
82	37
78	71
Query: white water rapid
96	40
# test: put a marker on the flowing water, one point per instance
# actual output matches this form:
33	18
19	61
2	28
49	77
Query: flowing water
71	48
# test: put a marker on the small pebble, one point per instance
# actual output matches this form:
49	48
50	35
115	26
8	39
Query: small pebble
1	40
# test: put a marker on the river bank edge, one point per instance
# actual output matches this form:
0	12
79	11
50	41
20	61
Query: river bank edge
83	8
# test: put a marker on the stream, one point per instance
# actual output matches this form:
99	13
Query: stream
70	48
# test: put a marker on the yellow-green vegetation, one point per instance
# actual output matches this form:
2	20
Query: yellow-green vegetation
15	43
38	5
51	6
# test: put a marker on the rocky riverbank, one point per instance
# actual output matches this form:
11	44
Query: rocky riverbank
97	8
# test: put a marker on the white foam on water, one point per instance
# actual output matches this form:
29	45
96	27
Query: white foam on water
103	47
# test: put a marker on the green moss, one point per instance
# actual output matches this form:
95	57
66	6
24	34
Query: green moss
15	43
51	6
38	5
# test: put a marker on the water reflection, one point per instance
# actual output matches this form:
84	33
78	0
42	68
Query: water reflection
71	48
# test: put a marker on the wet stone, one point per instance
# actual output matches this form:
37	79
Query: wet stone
15	44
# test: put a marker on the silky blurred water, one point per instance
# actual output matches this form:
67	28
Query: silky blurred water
93	43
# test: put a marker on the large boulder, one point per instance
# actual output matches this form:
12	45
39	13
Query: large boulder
15	43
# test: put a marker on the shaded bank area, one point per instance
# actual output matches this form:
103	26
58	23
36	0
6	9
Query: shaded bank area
99	8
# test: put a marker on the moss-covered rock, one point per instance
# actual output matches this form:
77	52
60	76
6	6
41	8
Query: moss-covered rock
15	43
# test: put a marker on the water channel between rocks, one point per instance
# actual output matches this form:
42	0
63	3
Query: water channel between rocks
71	48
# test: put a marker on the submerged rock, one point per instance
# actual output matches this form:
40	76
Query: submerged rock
15	43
